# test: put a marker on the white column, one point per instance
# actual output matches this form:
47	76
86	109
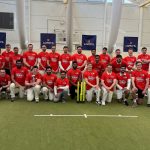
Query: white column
140	28
20	8
69	27
104	25
115	23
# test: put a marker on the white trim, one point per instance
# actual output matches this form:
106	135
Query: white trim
85	116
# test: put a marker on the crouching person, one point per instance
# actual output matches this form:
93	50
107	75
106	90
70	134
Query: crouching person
48	82
92	84
148	92
4	82
123	85
140	82
18	76
108	81
33	84
61	88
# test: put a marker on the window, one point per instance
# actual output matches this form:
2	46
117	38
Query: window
6	20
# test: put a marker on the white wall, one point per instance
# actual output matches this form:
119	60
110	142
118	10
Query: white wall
88	18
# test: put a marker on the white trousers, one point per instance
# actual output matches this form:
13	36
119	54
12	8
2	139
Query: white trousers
14	90
148	96
33	92
119	94
107	96
47	94
42	72
89	94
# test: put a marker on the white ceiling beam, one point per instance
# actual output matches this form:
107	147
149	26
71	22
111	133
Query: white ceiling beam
145	3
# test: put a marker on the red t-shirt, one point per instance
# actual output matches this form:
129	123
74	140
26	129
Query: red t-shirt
65	60
7	56
74	75
98	68
130	61
61	83
91	77
122	79
43	56
144	57
2	60
20	75
53	60
140	78
91	59
105	60
4	80
113	59
50	80
80	58
116	67
30	78
14	58
108	78
30	57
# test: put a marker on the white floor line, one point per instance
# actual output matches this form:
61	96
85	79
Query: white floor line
85	116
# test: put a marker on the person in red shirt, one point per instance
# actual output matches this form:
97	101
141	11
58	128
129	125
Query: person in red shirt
148	92
30	57
18	76
91	59
7	55
92	84
2	60
74	75
15	57
65	60
104	58
97	65
61	88
49	80
117	52
80	58
145	59
123	85
53	60
4	82
43	58
33	84
130	60
116	64
108	81
140	82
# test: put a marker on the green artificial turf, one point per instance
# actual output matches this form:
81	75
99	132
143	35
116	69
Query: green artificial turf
21	130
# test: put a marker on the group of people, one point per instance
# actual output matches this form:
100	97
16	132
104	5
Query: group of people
56	76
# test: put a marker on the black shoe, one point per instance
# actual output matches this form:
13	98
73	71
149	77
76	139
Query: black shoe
148	105
126	103
12	99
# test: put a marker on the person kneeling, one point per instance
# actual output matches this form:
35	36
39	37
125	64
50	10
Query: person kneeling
61	88
108	81
18	75
123	85
92	84
4	82
48	82
32	82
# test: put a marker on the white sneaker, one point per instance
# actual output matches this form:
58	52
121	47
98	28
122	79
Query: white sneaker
103	103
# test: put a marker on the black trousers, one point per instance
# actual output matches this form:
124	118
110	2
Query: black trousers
7	71
72	91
